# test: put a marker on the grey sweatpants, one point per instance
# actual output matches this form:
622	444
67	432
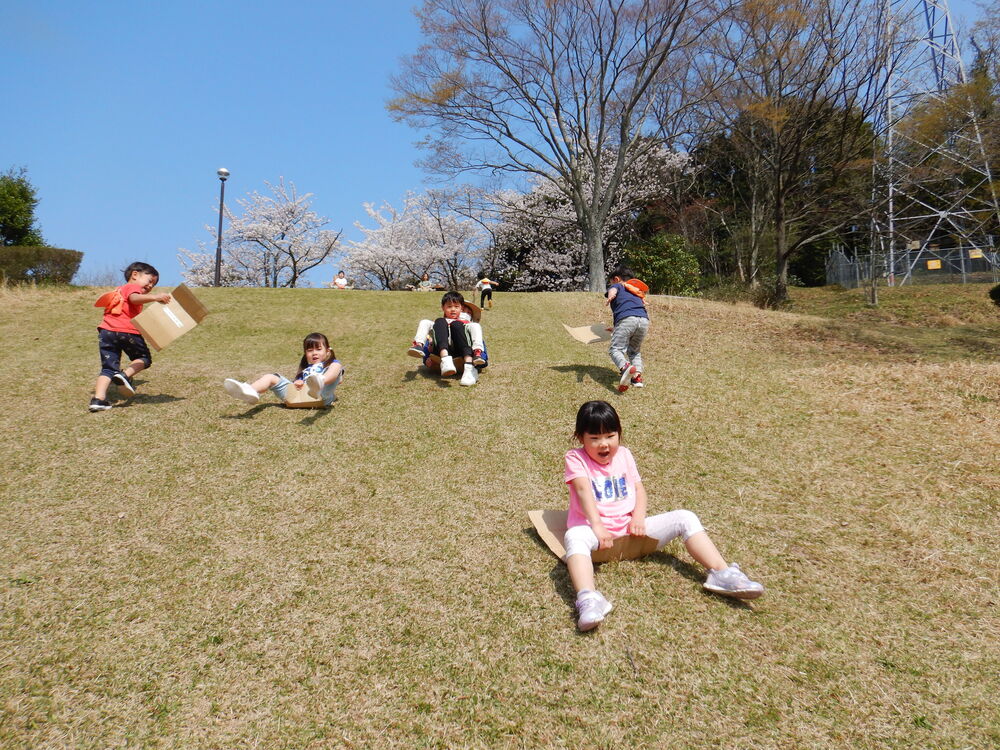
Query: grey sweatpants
626	340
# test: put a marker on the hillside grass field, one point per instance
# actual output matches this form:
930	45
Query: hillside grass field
188	571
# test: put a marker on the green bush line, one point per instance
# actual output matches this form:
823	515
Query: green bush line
52	265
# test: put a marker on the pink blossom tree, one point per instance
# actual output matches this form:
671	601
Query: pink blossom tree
275	240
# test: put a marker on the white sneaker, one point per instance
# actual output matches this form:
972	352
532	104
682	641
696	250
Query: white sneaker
447	366
240	390
468	376
314	384
591	607
733	582
627	373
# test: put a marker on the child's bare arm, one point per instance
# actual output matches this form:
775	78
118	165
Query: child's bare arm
588	505
637	526
140	299
612	293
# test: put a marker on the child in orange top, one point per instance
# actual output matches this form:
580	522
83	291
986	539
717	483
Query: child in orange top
117	335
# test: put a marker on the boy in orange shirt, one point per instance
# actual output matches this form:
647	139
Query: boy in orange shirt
117	334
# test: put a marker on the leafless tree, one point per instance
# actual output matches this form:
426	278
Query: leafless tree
563	90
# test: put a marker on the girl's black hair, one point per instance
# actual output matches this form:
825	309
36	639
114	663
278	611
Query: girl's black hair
597	418
314	341
141	268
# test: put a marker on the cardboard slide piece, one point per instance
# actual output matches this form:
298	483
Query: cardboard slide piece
162	324
589	334
551	527
296	398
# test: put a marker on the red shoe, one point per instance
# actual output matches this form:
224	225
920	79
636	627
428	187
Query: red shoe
637	381
477	358
628	372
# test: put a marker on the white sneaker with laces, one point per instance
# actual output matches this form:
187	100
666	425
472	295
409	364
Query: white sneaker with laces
314	384
240	390
468	375
591	607
447	366
733	582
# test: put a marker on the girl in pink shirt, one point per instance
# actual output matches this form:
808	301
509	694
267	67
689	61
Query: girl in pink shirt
607	500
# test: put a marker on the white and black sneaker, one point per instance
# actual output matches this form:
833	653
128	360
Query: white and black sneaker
123	382
99	404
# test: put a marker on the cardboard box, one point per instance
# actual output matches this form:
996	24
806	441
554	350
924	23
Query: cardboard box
162	324
551	527
589	334
296	398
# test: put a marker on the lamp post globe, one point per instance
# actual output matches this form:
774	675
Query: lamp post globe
223	176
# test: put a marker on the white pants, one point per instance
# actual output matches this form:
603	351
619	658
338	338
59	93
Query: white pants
475	331
581	540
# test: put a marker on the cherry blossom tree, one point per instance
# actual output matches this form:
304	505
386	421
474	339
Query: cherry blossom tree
275	240
538	236
425	236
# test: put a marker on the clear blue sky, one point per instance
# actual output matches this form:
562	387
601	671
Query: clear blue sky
123	110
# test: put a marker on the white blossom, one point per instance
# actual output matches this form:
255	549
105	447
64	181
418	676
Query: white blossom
273	242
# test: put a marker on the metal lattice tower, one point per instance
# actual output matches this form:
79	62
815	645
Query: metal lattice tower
935	197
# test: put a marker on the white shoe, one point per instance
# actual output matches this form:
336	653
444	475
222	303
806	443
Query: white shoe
447	366
733	582
240	390
314	384
469	376
592	607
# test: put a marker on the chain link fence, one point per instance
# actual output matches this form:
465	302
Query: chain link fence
929	265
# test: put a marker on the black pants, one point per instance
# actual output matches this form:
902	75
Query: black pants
451	335
486	294
112	344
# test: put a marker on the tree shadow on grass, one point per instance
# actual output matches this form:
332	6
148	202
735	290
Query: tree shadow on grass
600	375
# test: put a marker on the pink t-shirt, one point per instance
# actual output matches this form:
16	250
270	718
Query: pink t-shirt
613	484
122	322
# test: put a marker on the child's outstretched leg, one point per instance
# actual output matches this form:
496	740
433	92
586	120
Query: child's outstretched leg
591	606
250	392
723	578
417	347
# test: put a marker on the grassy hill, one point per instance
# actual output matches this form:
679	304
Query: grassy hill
188	571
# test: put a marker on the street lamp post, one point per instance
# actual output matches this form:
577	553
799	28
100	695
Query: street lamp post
223	174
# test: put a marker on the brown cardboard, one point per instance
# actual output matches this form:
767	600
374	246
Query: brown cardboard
589	334
551	527
299	398
162	324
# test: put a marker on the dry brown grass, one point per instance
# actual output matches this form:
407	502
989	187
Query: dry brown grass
186	571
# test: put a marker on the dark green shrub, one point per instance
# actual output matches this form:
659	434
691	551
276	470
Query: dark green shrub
665	264
995	295
44	265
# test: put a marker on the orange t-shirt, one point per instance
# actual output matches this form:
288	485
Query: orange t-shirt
122	321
